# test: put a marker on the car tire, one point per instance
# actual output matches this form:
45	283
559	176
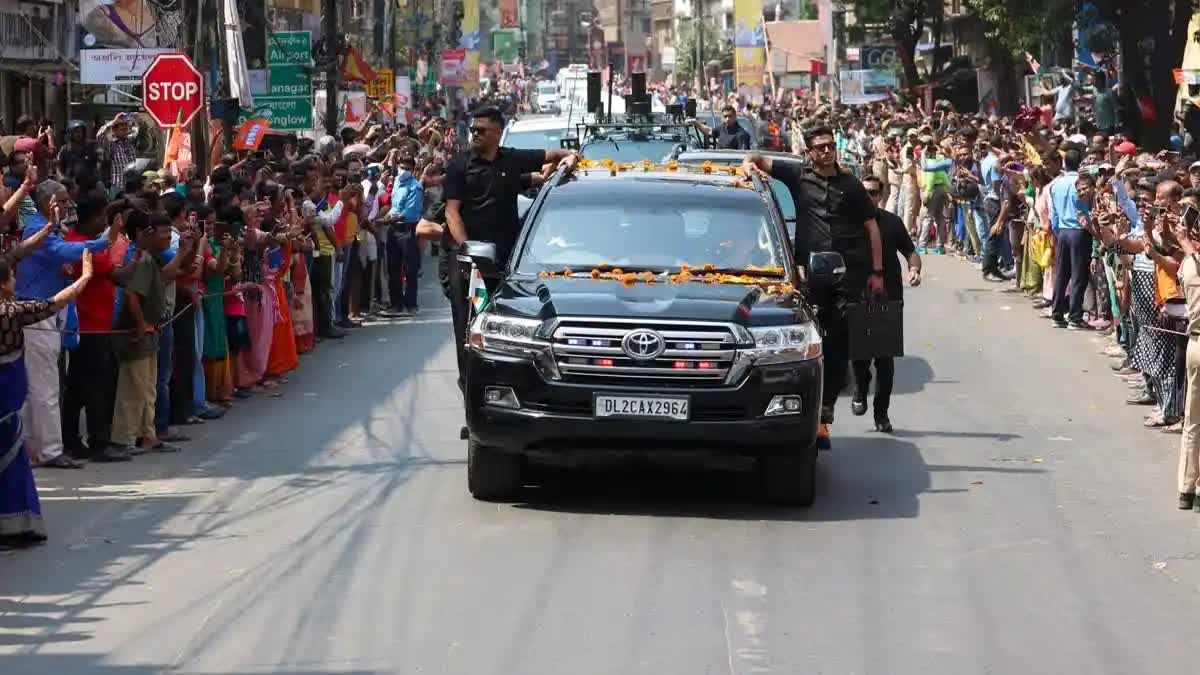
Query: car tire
493	475
789	477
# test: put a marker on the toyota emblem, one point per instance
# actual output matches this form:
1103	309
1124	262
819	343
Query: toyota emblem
643	344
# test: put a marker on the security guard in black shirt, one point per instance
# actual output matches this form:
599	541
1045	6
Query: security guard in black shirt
481	188
833	213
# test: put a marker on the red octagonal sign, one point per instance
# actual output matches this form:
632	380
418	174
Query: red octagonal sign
172	90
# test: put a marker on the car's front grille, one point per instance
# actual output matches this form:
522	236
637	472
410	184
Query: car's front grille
658	353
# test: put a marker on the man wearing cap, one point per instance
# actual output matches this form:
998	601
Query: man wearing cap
116	143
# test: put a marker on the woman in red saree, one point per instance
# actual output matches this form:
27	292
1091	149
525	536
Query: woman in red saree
278	262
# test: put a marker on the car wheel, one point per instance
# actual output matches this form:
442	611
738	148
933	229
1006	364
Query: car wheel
491	474
789	477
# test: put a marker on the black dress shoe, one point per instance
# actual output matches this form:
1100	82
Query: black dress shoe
1186	500
883	425
858	406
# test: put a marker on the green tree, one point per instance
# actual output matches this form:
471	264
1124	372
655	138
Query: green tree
685	51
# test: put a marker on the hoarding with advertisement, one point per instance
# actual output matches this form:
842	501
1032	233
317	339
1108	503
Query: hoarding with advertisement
129	24
453	71
749	53
509	17
866	86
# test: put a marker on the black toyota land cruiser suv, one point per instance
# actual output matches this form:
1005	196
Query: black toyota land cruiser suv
653	309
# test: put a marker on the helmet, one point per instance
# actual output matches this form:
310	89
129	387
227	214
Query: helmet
72	125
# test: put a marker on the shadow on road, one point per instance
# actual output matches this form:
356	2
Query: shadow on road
339	421
93	664
863	477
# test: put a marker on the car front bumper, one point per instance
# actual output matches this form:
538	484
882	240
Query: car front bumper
558	416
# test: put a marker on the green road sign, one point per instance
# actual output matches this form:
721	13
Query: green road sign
289	48
290	81
293	113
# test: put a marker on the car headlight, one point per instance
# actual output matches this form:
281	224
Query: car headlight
507	335
798	341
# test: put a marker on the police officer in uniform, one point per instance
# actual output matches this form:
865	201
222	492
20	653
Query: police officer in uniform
833	213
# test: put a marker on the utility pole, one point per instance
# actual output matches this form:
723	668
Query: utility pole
193	21
329	25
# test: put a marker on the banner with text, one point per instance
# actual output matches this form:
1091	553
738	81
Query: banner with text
115	66
749	54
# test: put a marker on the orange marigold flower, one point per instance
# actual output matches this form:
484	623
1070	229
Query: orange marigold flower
596	274
567	272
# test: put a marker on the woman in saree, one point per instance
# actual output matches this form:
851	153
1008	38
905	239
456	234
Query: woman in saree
282	357
20	511
218	377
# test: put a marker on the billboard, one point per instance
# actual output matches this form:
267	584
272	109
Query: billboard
749	48
866	86
129	24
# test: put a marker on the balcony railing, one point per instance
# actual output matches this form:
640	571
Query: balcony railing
25	37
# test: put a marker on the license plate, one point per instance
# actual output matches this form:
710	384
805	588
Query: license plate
645	407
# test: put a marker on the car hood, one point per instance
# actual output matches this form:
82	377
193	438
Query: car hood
747	305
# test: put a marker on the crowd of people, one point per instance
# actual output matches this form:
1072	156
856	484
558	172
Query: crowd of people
136	303
1064	209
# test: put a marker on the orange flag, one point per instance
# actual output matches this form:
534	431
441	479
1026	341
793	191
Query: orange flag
356	68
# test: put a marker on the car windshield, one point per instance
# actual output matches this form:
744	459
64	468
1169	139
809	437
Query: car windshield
629	151
547	139
651	224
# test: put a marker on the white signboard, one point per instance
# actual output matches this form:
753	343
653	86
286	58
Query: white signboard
403	92
115	66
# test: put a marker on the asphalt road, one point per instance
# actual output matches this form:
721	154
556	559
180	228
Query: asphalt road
1020	521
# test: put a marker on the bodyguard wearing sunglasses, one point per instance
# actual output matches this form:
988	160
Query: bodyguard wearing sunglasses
833	213
481	188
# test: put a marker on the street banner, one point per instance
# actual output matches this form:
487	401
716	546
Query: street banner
866	86
470	42
509	17
749	54
115	66
403	96
382	86
454	68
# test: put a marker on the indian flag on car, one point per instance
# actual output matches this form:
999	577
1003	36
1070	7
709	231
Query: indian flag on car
477	291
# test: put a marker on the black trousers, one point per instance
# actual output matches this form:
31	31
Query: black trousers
885	368
91	386
322	290
1072	268
458	280
831	302
184	362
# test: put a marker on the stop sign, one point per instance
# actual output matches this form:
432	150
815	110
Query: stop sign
172	90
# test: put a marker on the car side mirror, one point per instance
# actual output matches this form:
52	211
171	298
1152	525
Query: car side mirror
826	268
483	255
